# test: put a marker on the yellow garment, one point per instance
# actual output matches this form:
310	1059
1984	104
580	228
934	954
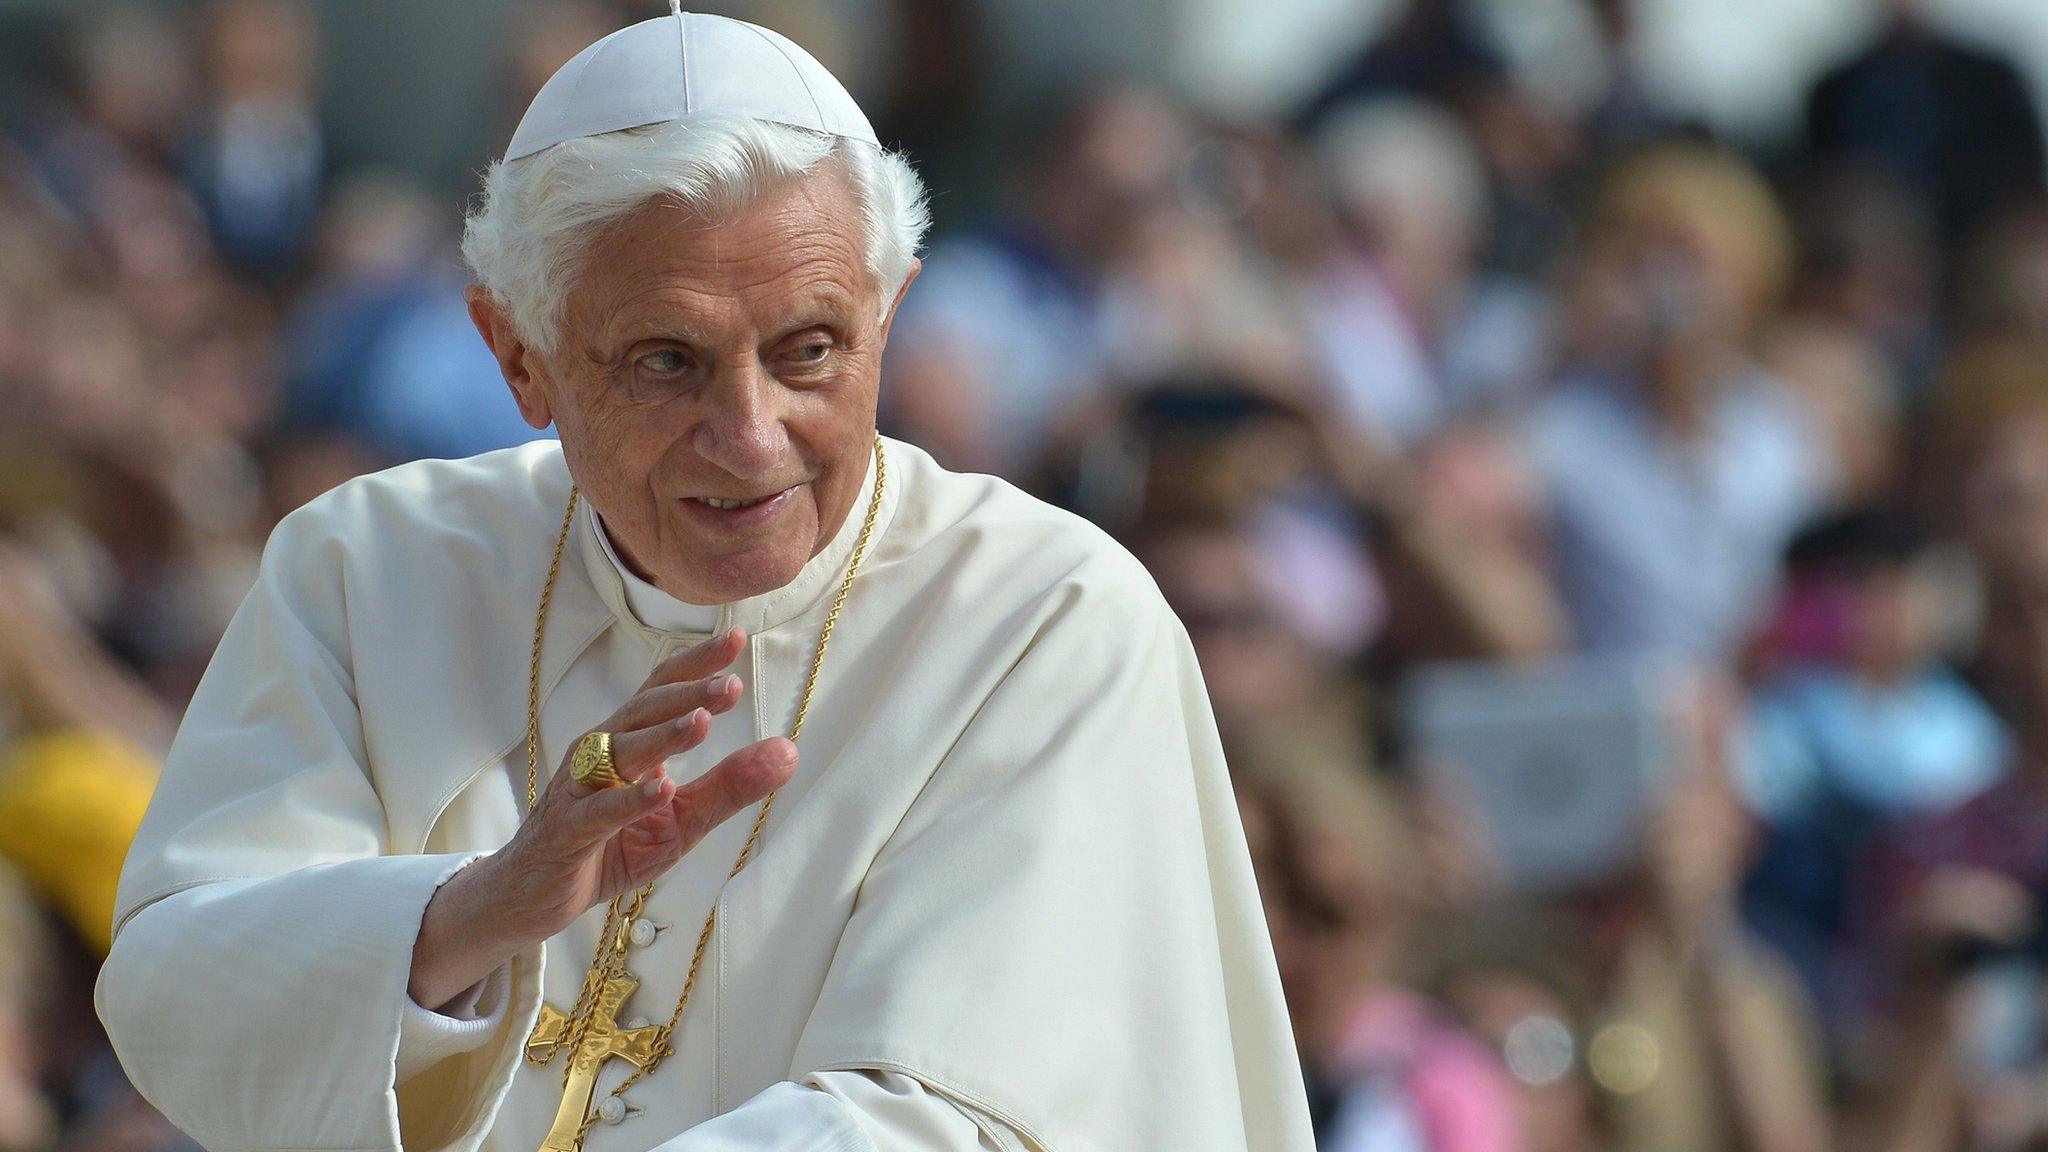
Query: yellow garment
70	801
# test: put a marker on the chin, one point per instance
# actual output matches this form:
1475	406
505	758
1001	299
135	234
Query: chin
721	561
752	573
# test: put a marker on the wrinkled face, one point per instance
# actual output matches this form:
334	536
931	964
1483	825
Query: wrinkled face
704	362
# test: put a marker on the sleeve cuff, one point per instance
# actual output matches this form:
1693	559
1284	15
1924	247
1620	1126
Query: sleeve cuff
783	1117
426	1037
900	1114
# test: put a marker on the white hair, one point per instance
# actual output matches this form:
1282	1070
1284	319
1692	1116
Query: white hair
1399	154
538	213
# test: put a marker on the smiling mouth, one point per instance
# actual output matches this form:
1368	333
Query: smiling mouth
730	505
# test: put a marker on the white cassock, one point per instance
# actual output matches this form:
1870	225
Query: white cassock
1005	902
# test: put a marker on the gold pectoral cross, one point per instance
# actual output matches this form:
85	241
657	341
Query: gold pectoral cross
604	1040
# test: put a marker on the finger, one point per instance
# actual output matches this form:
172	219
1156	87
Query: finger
736	783
634	754
699	660
644	750
651	706
595	818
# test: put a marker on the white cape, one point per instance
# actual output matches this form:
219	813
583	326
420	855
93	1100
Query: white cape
1010	864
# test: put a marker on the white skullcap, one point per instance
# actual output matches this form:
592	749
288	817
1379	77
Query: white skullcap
668	67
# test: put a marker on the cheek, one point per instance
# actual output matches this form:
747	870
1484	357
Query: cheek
617	451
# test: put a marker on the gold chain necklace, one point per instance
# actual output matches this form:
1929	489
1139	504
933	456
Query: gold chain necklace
568	1032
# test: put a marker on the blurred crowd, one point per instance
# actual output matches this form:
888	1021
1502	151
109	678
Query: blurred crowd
1619	563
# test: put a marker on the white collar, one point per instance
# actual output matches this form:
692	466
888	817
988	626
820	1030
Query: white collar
653	607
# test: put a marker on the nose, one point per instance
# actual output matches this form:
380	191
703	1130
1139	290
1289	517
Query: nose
744	433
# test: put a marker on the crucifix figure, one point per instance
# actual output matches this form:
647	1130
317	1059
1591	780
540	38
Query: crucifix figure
603	1041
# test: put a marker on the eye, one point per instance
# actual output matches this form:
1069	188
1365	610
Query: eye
809	352
665	361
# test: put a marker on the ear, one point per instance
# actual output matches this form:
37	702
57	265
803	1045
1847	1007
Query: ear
514	357
889	319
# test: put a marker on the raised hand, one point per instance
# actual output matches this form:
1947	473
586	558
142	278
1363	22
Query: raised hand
583	845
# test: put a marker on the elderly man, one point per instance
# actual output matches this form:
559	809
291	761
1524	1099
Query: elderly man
991	891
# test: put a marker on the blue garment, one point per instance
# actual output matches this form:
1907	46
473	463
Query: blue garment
1896	750
396	363
431	388
1835	765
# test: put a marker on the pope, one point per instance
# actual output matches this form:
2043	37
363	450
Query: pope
443	855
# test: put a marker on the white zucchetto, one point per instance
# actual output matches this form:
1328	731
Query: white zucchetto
668	67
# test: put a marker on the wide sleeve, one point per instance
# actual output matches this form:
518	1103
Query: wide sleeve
263	929
1063	931
863	1110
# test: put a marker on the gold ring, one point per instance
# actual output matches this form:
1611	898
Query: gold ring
591	762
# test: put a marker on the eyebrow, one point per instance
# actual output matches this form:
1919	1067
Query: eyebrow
823	316
825	308
662	328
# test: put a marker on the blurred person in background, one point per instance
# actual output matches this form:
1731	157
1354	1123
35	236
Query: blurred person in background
256	158
1186	286
28	1121
1132	255
1853	401
1674	466
1389	1069
1953	123
1962	894
1409	331
1860	327
1644	1016
1869	270
1271	685
1439	50
1386	559
1627	109
1468	555
543	37
1859	730
388	364
376	250
1013	333
125	103
79	736
1515	975
2002	279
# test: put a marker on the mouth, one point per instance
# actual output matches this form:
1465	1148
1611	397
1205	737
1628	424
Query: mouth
726	512
730	505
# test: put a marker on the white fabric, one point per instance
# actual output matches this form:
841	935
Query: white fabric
1008	867
899	1114
666	68
464	1024
656	608
866	1109
784	1117
892	1110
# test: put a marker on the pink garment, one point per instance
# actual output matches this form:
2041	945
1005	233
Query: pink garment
1459	1090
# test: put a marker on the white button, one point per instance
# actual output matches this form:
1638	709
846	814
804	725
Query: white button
642	933
639	1022
612	1110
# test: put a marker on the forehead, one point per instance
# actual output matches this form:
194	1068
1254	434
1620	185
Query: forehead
798	245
